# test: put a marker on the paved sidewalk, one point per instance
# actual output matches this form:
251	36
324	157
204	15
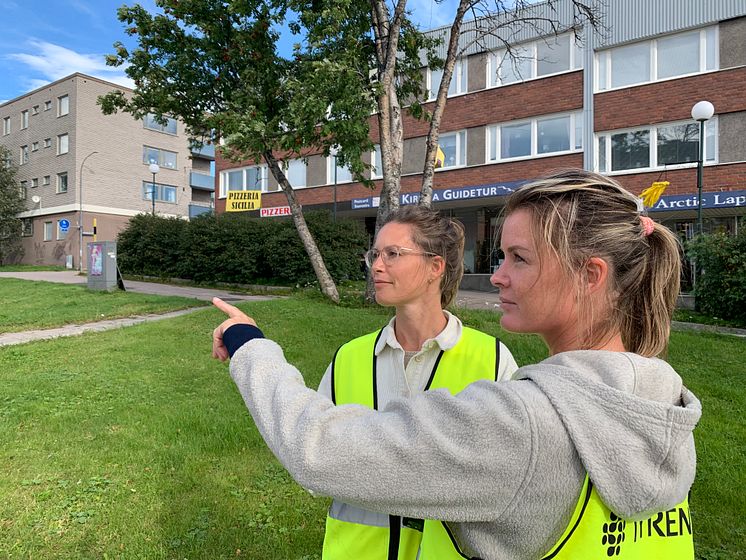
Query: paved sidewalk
205	294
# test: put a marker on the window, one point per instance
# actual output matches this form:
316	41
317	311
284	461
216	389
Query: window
552	134
682	54
337	173
47	105
163	193
24	119
62	144
61	233
454	149
47	142
34	146
149	121
655	147
61	183
34	182
27	227
63	105
296	173
48	231
24	154
7	160
458	80
376	165
164	158
6	126
252	178
537	59
45	180
23	190
35	110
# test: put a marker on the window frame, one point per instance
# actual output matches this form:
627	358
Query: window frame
27	227
160	189
157	127
461	149
710	159
223	184
62	178
286	168
63	101
460	75
7	126
24	119
161	161
60	138
48	230
61	235
331	161
495	141
376	163
575	60
602	59
24	155
48	105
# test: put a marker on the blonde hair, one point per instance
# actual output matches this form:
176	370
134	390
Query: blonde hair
439	235
578	215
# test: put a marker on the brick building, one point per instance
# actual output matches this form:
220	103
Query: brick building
619	103
73	160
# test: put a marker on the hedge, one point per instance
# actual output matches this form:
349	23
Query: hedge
720	289
237	249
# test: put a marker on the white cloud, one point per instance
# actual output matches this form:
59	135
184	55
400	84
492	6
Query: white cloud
54	62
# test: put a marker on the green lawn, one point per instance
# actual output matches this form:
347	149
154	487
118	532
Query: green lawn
28	305
134	443
30	268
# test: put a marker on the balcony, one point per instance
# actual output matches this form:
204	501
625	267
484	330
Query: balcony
196	210
207	151
201	181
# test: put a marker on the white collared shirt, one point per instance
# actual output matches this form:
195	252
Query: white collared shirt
395	380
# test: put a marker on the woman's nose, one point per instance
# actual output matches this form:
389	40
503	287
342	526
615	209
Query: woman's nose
498	278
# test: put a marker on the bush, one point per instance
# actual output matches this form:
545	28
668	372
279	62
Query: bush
150	245
236	249
720	289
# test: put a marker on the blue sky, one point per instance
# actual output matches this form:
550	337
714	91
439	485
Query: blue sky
45	40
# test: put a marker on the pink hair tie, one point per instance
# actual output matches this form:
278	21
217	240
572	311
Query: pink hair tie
648	225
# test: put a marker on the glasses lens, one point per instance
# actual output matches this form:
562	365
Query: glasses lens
371	256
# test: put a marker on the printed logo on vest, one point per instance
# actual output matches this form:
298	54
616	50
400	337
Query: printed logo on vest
672	523
613	535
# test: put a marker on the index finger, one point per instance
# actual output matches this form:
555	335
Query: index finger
230	310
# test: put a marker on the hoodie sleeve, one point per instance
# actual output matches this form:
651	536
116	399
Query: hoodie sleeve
462	458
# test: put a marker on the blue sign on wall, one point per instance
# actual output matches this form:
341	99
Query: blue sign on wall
729	199
64	225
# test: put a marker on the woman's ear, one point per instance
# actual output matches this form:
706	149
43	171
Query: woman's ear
437	267
596	274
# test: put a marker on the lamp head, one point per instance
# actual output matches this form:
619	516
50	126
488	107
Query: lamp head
703	111
154	168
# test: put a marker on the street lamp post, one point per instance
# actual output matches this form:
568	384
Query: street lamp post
80	212
154	168
333	153
701	112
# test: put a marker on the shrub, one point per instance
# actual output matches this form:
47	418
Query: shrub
149	245
237	249
720	289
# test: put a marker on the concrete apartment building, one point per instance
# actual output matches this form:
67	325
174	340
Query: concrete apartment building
619	103
71	157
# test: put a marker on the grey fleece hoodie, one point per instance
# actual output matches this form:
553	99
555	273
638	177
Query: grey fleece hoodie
502	462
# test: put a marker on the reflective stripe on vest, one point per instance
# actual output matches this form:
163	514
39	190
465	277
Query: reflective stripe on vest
595	532
356	534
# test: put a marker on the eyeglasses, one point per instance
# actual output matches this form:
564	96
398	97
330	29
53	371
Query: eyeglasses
391	254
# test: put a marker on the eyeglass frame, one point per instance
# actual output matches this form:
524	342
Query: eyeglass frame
370	259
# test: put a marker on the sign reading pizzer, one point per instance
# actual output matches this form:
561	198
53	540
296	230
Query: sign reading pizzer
241	201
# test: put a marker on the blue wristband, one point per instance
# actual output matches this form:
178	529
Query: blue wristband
238	335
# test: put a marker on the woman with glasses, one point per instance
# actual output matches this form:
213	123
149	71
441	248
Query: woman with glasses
416	263
588	454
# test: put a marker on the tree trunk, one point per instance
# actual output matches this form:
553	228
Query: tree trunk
326	282
426	190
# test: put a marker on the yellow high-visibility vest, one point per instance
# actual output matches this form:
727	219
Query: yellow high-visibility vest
356	534
594	533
